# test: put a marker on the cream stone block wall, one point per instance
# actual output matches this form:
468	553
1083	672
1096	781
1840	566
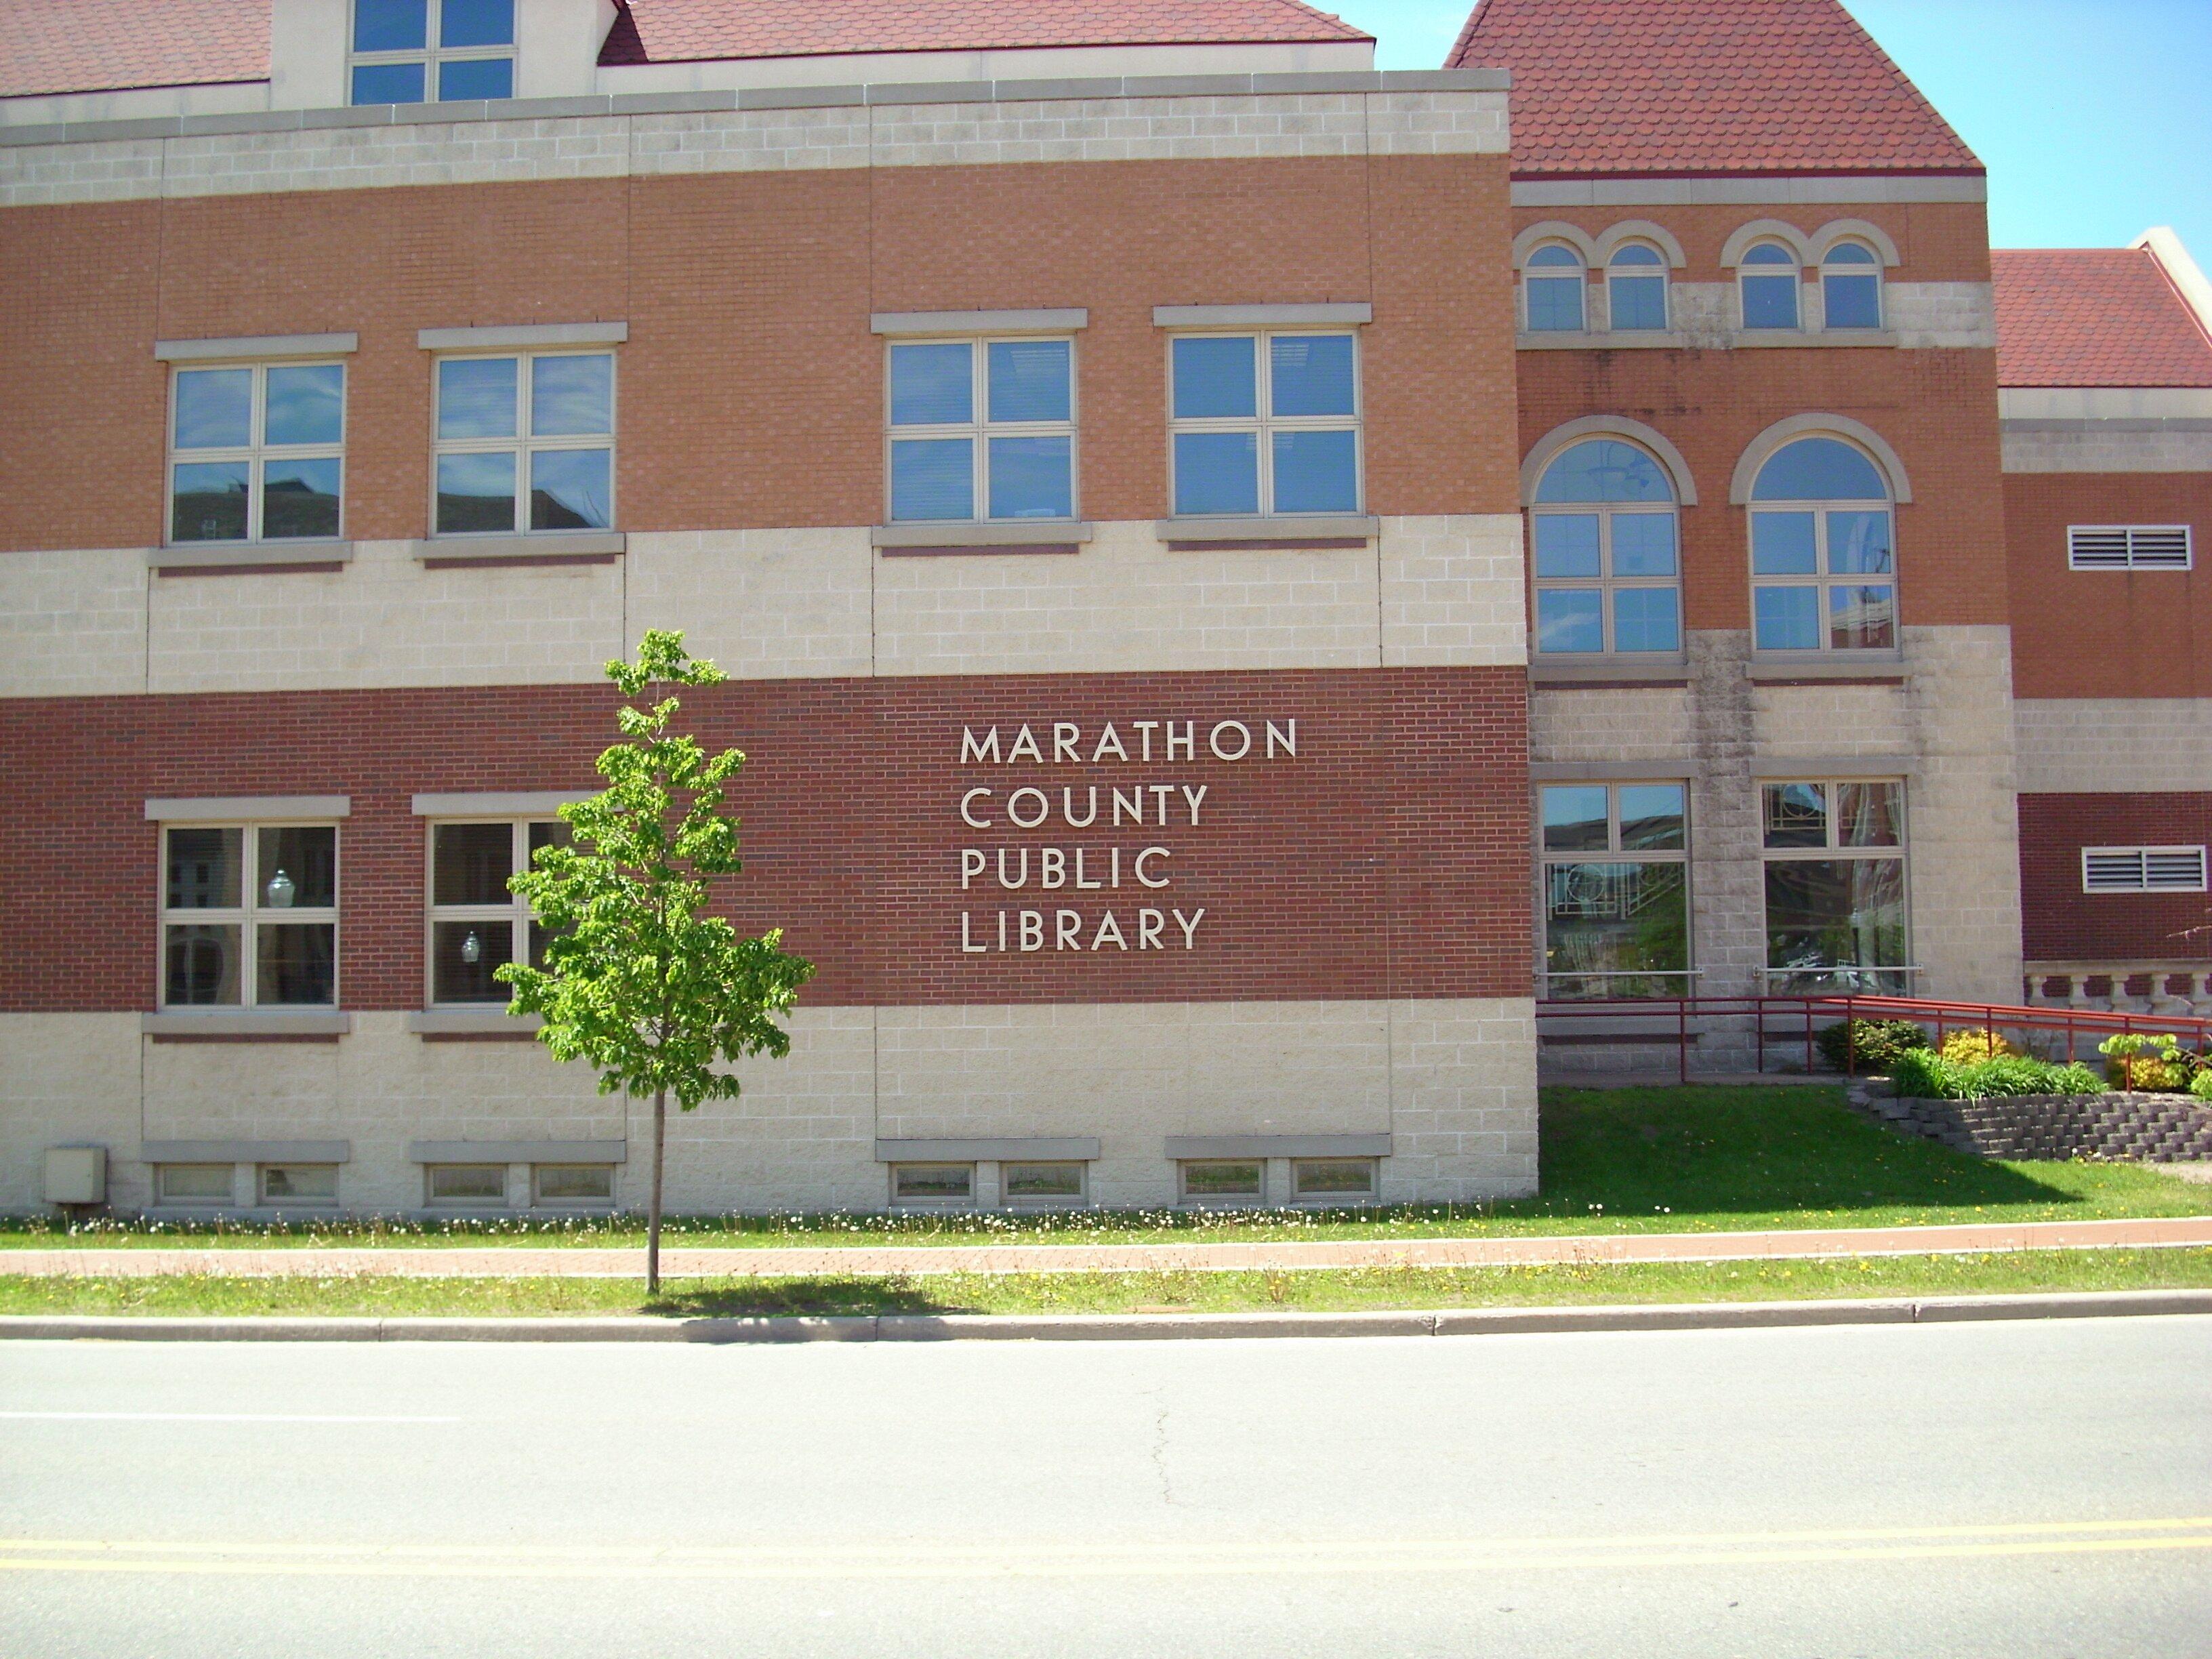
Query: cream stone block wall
2113	745
1452	591
73	623
1921	315
385	619
1604	725
2085	448
763	604
1455	1081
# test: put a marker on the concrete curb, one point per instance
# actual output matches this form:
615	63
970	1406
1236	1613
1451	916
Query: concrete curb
1116	1327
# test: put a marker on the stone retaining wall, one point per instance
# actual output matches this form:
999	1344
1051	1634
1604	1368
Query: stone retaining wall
2115	1127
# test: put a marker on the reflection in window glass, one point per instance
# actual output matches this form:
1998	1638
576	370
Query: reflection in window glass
1636	289
467	1183
296	1183
256	452
1850	287
192	1183
1796	814
1835	886
545	416
573	1183
1574	818
1768	286
1554	288
249	916
1240	1178
1042	1183
1801	546
1333	1177
932	1183
983	432
1616	918
1607	572
1265	423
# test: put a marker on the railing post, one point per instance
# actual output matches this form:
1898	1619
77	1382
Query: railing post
1682	1036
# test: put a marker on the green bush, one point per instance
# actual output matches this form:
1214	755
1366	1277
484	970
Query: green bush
2201	1084
2151	1065
1928	1076
1873	1044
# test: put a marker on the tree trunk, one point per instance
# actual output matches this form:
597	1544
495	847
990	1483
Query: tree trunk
653	1219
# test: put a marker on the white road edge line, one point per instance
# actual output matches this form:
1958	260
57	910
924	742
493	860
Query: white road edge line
203	1417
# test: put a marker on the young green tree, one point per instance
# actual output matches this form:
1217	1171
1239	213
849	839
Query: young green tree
658	997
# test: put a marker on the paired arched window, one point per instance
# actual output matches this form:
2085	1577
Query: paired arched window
1766	284
1823	550
1636	286
1608	568
1554	285
1850	287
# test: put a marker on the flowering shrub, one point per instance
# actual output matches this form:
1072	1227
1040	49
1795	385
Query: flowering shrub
1971	1047
1870	1045
2154	1065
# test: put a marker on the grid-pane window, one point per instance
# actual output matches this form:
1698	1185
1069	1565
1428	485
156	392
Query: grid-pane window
1850	286
1607	568
1553	283
476	923
257	451
1824	567
420	51
1766	284
1834	867
249	915
981	429
525	441
1635	288
1615	868
1265	423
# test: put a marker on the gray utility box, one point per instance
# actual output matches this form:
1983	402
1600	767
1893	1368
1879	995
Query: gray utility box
76	1175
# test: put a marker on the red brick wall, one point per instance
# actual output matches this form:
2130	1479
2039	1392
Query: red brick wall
751	389
2062	923
1390	858
2107	633
1936	241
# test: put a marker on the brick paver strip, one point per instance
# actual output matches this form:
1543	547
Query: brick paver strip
864	1261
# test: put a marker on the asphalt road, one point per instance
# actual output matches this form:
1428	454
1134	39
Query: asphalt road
1990	1490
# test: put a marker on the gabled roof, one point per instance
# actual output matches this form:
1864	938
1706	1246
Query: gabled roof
682	31
112	46
1703	87
2095	317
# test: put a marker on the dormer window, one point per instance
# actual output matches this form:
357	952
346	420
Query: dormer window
1554	283
1768	281
425	51
1850	286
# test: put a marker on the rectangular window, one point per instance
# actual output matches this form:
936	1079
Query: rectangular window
420	52
1043	1183
1222	1181
249	915
477	924
1333	1180
981	429
932	1183
2142	870
257	453
299	1183
1607	580
1823	580
1615	869
474	1184
572	1183
524	442
1264	424
1834	865
2129	547
192	1183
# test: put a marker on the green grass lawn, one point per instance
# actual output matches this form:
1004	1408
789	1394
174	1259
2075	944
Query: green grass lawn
1135	1293
1697	1159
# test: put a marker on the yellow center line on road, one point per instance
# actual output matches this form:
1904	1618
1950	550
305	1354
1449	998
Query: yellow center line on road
1105	1559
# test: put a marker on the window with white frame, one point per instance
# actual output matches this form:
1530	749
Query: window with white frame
524	442
1265	423
1823	554
477	924
1636	289
1608	575
1333	1180
554	1184
1766	286
2129	547
1833	853
2142	870
192	1183
422	51
981	429
1552	286
249	915
1615	865
257	451
299	1183
927	1185
1850	287
1043	1184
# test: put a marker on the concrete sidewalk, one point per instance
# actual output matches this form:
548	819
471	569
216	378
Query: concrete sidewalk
867	1261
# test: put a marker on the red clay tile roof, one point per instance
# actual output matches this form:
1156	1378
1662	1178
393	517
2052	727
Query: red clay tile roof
110	45
1703	87
680	31
2095	316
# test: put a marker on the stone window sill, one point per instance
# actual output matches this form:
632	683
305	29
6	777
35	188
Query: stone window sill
202	558
1661	668
1263	530
550	546
307	1024
982	536
474	1022
1828	665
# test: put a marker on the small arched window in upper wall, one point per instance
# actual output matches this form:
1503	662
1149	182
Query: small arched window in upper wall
1768	284
1636	286
1850	286
1608	578
1824	566
1554	283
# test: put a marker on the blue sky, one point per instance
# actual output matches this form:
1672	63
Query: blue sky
2095	117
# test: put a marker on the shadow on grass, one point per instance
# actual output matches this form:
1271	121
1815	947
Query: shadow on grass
783	1299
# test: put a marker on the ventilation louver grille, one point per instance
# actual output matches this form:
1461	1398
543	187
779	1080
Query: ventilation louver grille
2128	547
2142	870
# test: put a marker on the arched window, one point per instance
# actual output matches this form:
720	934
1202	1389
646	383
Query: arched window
1850	286
1555	290
1608	578
1636	286
1768	285
1823	567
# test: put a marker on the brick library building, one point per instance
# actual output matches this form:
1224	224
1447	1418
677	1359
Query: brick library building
1244	580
